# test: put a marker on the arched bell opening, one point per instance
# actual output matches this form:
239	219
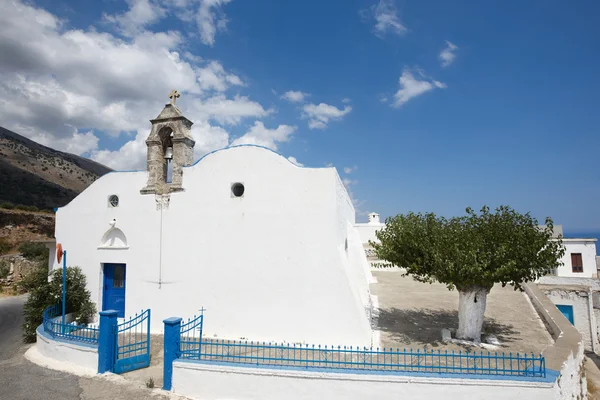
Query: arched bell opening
166	138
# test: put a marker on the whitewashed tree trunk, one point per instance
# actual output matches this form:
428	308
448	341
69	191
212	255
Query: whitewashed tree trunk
471	308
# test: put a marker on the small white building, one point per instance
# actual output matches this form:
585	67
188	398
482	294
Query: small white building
367	231
579	260
268	248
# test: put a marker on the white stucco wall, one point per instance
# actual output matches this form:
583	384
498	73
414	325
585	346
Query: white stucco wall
587	248
572	383
214	382
367	231
80	355
268	266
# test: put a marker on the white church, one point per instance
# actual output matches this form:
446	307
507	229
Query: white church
268	248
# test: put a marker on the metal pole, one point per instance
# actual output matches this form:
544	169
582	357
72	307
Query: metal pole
64	288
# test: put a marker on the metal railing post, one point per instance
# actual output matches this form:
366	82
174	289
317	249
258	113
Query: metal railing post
64	289
172	340
107	340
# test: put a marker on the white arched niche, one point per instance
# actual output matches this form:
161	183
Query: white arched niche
114	238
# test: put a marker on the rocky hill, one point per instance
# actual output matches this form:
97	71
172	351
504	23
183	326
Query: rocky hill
36	175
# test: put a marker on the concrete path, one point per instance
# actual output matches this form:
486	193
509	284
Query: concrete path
413	314
23	380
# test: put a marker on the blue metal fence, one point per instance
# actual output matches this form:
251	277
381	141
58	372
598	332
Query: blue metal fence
132	347
191	336
76	332
193	346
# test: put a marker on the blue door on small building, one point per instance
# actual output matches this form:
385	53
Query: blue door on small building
567	311
114	288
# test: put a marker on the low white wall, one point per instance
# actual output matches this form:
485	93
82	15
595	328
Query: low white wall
566	354
82	355
212	382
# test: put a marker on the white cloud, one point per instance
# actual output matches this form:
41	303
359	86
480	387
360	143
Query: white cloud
214	77
294	96
346	100
77	143
349	170
229	111
66	87
329	165
210	19
207	15
348	182
448	55
140	14
260	135
386	18
295	162
319	115
411	87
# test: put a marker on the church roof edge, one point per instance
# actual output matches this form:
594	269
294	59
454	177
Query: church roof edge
251	145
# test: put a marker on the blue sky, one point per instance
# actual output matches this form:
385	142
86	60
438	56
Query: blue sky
421	106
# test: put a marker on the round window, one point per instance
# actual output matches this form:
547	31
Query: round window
237	189
113	200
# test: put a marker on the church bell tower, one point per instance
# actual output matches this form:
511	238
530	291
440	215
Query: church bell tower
170	148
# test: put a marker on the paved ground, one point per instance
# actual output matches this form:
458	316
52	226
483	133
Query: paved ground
413	315
23	380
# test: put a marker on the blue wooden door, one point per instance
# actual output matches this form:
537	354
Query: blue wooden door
114	288
567	311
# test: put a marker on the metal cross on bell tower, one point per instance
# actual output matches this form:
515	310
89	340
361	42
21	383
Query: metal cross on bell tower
174	95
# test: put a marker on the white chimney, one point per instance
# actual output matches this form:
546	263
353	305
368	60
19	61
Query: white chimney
374	218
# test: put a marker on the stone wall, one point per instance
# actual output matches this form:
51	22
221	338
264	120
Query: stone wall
18	267
579	300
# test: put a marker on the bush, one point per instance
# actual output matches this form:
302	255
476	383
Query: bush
4	269
43	294
5	246
7	205
26	208
34	251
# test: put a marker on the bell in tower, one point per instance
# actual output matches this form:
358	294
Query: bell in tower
170	148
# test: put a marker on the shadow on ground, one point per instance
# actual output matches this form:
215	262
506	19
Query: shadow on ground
425	325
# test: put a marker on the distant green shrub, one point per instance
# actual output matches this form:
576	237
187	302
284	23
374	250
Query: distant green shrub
7	205
26	208
4	269
4	246
34	251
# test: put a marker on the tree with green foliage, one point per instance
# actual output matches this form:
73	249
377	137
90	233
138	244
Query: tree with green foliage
471	253
34	251
44	293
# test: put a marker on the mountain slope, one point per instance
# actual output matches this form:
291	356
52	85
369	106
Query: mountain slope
36	175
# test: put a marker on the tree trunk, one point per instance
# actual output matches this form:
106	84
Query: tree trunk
471	307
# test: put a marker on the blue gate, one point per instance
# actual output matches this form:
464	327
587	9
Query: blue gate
132	347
